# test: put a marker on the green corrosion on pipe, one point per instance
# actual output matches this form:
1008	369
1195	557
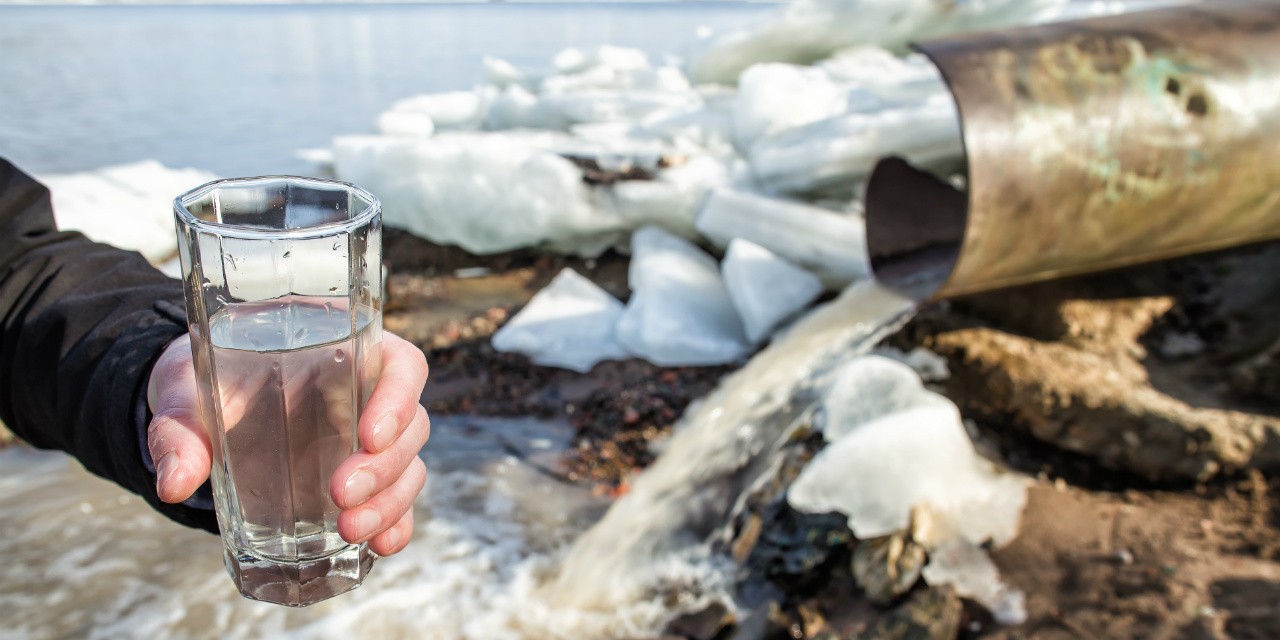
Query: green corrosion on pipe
1092	145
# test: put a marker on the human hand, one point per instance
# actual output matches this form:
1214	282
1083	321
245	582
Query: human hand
374	487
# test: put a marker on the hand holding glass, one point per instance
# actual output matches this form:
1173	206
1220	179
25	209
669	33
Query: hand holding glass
284	294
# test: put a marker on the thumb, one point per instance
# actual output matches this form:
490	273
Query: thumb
176	437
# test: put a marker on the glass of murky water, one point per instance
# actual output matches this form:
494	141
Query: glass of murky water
283	280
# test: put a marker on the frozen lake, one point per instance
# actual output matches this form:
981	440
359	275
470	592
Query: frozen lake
238	89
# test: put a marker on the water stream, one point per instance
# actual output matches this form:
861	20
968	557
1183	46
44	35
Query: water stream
503	549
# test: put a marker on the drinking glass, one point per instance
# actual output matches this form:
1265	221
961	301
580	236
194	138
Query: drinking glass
283	283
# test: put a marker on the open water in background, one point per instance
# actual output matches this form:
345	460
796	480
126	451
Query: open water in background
238	89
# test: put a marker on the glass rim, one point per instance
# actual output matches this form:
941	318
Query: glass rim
180	203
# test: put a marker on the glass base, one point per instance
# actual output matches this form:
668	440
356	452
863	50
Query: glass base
298	584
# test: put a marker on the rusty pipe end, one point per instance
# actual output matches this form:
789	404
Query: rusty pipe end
1093	145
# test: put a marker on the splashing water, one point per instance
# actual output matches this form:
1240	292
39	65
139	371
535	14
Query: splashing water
724	445
500	549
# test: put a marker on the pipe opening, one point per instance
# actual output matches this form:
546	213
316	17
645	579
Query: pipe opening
915	226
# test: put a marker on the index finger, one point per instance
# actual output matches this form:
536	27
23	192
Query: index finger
395	398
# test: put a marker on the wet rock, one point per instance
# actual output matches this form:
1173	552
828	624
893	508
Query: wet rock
1068	365
930	614
797	551
707	624
1259	375
887	567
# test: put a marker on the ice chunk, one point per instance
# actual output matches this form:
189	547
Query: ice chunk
1082	9
574	60
776	97
671	200
516	107
680	313
880	79
838	152
570	324
765	289
450	110
405	123
967	567
484	192
704	128
501	73
322	158
869	388
613	106
489	191
129	206
570	60
831	245
608	84
930	366
879	471
810	30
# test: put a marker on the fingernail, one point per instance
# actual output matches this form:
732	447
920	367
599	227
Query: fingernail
165	469
367	522
360	485
384	431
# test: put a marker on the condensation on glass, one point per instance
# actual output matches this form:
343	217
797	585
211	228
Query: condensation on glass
283	282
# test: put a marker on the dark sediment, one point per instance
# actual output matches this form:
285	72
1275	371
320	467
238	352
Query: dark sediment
1144	402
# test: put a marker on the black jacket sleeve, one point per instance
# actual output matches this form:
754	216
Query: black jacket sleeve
81	325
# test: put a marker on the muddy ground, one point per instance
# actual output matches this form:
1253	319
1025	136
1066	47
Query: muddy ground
1143	403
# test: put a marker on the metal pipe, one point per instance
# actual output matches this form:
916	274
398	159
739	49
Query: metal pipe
1094	144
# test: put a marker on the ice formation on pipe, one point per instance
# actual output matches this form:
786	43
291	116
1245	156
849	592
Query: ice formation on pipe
570	324
680	313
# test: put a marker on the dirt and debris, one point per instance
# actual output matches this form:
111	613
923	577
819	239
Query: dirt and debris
1143	403
618	408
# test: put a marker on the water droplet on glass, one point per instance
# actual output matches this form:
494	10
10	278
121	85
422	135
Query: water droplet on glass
339	355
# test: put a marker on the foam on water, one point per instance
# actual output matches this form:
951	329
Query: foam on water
85	559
